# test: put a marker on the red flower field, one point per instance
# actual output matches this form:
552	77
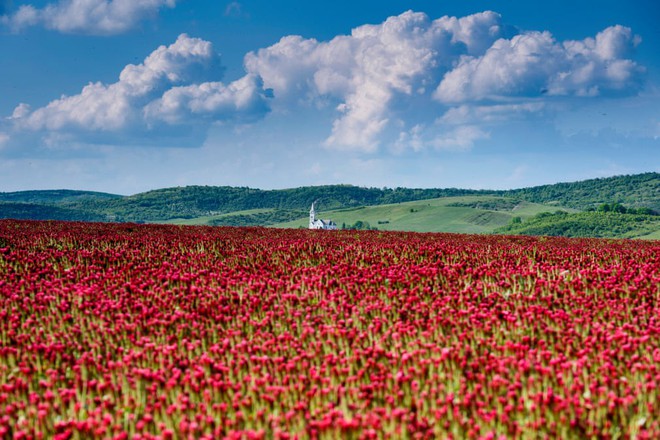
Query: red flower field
150	331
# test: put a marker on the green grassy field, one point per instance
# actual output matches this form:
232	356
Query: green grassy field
435	215
653	236
479	214
205	220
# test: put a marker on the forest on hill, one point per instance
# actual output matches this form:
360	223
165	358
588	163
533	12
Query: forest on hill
638	190
239	206
194	201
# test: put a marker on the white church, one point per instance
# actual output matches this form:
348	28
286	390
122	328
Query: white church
315	223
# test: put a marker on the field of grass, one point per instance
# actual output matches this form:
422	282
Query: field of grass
435	215
652	236
205	220
477	214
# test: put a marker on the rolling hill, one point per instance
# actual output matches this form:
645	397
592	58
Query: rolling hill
445	210
34	211
586	224
55	197
450	214
638	190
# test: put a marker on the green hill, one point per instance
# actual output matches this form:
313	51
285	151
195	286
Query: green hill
586	224
202	201
450	214
639	190
32	211
414	209
55	197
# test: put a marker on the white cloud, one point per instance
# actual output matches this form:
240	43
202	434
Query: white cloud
20	111
533	64
97	17
112	107
477	31
97	107
243	99
366	71
408	83
165	88
377	73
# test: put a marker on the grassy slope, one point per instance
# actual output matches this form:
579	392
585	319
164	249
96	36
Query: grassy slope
206	220
430	215
652	236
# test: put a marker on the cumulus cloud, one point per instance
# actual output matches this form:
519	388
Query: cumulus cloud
167	88
20	111
98	17
534	63
111	107
242	99
409	82
365	71
375	74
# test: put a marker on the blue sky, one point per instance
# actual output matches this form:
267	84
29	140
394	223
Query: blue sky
124	96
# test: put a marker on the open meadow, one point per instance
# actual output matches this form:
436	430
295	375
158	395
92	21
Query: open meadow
166	331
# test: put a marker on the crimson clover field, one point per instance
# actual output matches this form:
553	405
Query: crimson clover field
151	331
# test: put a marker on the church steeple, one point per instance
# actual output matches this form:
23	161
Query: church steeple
312	217
315	223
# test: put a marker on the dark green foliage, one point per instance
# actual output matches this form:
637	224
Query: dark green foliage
585	224
55	197
639	190
360	225
31	211
618	207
